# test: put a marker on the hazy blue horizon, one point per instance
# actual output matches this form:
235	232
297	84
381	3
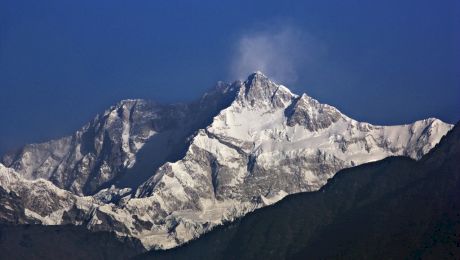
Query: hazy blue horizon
62	62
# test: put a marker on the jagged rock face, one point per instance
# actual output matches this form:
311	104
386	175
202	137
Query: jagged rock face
307	112
95	154
10	210
242	147
105	150
38	201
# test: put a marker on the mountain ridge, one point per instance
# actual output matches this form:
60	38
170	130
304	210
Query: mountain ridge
165	174
393	208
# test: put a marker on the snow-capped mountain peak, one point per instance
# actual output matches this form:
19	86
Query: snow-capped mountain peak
165	174
259	91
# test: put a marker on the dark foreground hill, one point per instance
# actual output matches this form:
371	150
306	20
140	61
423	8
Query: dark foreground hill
395	208
62	242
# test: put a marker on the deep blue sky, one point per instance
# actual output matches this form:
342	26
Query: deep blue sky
61	62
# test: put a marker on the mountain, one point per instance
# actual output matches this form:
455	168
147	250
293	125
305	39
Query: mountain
120	147
396	208
166	174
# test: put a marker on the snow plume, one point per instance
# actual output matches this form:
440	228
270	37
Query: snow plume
279	53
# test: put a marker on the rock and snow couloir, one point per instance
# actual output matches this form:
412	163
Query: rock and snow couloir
241	147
